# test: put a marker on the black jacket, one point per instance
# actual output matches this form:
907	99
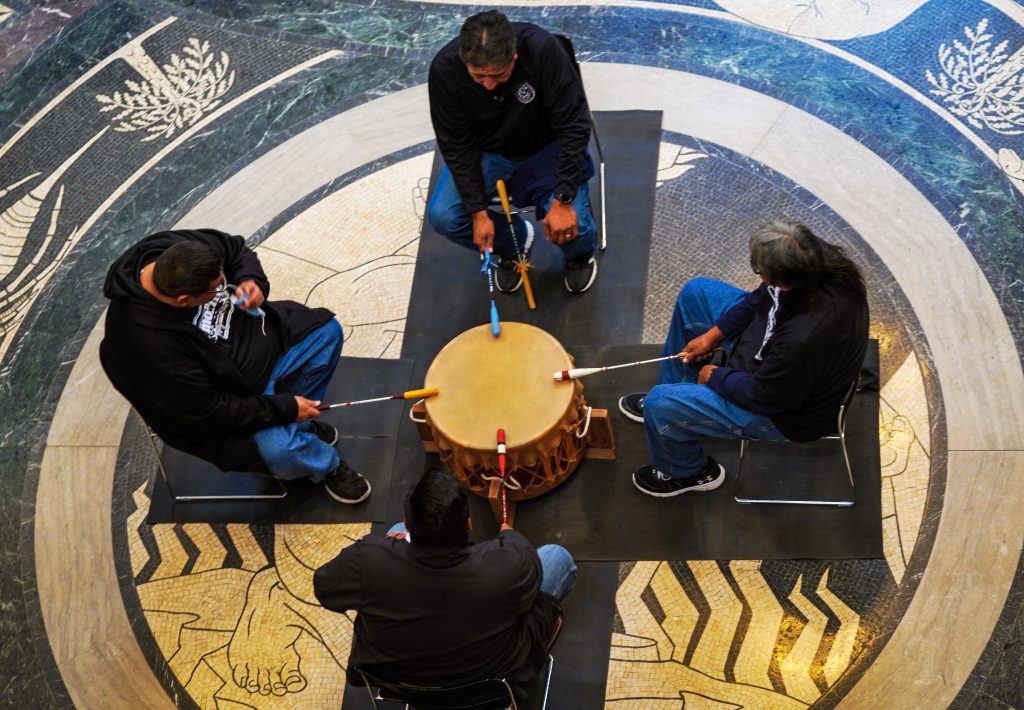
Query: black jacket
815	350
446	616
187	386
542	101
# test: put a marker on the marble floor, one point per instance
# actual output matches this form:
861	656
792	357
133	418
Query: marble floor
895	129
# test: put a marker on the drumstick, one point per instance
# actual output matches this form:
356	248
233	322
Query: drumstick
524	265
411	394
501	468
486	268
578	372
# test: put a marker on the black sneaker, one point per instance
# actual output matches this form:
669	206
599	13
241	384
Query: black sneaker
346	486
507	278
580	275
632	405
661	485
325	432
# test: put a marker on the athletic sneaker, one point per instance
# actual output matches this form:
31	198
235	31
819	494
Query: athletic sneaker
661	485
580	275
346	486
632	405
507	278
325	432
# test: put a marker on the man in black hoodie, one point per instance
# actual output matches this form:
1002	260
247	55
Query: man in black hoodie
794	345
216	370
507	103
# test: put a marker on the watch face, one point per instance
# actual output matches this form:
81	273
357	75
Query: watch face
564	198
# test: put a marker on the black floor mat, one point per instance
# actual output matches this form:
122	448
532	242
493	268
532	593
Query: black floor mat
368	442
597	514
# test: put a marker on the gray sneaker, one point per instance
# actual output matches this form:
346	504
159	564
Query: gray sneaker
346	486
580	275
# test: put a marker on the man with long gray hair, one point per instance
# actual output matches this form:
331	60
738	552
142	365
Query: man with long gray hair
507	103
793	345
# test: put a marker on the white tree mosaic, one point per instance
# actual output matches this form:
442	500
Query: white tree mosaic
173	97
981	82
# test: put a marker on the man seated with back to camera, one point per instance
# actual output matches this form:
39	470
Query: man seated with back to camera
215	369
794	346
436	609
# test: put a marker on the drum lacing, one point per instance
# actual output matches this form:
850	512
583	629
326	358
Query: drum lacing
586	426
509	483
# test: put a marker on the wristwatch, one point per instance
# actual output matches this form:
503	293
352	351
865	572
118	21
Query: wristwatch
565	198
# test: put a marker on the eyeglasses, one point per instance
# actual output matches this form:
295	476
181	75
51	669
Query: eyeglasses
221	287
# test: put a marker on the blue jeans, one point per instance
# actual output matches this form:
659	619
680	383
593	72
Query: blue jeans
448	217
557	565
678	411
293	450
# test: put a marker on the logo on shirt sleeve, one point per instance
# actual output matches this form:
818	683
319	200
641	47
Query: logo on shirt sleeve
525	93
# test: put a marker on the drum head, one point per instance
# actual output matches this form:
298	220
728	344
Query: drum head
487	382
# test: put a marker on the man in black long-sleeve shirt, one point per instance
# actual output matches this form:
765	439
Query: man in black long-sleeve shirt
795	345
507	103
435	608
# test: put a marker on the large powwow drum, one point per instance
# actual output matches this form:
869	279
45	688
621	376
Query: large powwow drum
487	383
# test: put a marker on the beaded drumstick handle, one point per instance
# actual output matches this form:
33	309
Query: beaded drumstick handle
523	265
487	269
501	468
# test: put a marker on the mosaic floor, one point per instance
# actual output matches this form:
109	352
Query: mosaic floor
895	129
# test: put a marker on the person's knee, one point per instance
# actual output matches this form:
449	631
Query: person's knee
556	552
445	219
695	288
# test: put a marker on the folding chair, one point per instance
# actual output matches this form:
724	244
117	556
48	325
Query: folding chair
817	475
488	694
254	486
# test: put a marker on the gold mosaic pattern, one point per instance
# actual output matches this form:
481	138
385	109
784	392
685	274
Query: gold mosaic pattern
248	636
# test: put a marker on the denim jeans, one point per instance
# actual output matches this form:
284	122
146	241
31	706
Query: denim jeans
678	411
448	217
293	450
557	565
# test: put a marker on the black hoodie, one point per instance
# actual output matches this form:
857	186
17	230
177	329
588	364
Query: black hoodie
201	394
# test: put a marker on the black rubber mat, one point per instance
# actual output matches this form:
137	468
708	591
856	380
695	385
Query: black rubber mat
368	442
597	514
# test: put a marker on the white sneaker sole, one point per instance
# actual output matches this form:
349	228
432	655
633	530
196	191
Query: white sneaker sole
586	287
629	414
350	501
709	486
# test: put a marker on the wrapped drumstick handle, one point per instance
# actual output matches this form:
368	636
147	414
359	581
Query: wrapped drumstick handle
501	468
410	394
578	372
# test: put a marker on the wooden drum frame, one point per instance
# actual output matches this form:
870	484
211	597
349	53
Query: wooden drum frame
507	382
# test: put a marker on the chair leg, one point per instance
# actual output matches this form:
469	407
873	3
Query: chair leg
547	683
739	473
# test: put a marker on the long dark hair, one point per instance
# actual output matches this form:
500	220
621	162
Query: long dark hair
789	253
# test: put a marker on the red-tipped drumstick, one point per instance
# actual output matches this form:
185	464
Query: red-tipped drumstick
501	468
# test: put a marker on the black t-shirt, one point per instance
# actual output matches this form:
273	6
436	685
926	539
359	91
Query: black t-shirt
253	343
445	616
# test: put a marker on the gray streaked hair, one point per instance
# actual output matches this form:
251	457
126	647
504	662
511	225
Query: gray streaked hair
789	253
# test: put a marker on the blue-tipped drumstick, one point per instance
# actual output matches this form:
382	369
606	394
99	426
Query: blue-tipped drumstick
486	268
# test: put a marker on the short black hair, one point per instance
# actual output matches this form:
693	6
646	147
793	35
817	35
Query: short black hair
436	510
487	40
186	268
